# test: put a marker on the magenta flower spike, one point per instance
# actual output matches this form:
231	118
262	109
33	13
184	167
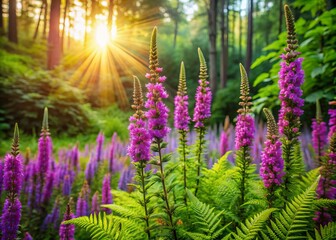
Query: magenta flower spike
332	121
272	164
203	95
157	113
245	123
140	140
319	133
82	206
95	204
67	231
291	77
12	180
106	193
181	115
28	236
100	144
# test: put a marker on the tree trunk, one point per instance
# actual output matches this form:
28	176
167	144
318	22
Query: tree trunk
212	14
54	44
224	46
38	21
2	29
86	23
12	24
280	16
176	21
249	37
45	16
240	30
233	29
110	16
67	3
93	16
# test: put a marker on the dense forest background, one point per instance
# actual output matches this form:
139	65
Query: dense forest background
77	57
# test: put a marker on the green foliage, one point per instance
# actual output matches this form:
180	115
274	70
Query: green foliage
327	232
104	226
294	220
253	226
208	222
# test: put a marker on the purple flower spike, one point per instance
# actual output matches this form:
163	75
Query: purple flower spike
67	186
95	204
157	113
203	95
48	188
10	219
272	165
100	143
13	174
181	115
82	206
319	133
106	193
139	147
67	231
332	122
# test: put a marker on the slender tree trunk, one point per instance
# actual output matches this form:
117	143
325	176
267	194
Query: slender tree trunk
212	16
224	46
176	21
12	23
45	16
240	30
249	37
110	16
93	16
54	44
280	16
233	30
69	32
67	3
39	21
2	28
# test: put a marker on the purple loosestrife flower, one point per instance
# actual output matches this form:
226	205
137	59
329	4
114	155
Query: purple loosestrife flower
75	158
319	133
112	151
224	137
140	140
66	186
95	204
245	122
67	231
291	77
82	206
100	144
332	121
48	187
181	115
203	95
157	113
12	179
272	165
44	149
326	187
106	193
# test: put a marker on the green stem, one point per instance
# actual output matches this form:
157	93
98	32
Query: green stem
142	166
183	142
287	159
245	165
199	155
165	194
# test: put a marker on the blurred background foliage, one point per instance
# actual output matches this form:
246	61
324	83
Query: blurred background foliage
28	83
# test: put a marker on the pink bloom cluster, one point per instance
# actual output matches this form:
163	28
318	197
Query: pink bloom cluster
332	122
291	77
319	136
244	131
203	104
272	165
181	115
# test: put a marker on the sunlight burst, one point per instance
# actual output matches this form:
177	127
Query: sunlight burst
102	36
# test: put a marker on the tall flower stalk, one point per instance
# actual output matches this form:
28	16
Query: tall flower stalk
202	112
67	231
181	122
244	136
106	193
291	77
319	134
157	116
12	180
44	154
272	165
332	120
327	184
139	148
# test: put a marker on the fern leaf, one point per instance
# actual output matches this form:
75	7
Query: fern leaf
294	219
251	228
327	232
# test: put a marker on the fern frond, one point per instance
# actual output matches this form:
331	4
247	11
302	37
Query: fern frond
99	226
252	227
293	220
327	232
207	220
